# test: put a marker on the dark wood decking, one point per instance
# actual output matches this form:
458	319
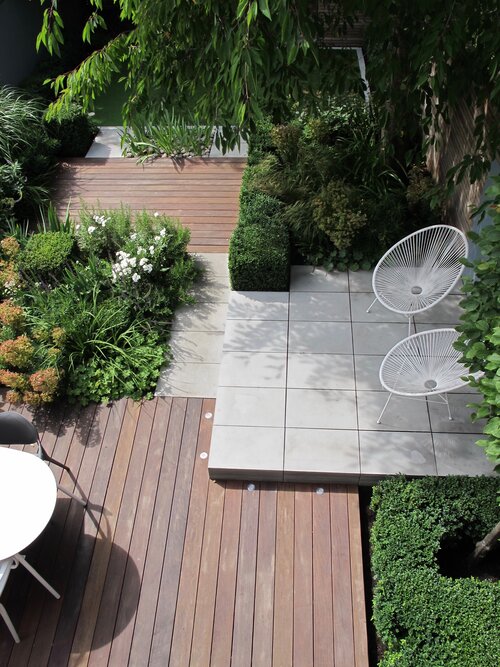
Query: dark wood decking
169	568
201	192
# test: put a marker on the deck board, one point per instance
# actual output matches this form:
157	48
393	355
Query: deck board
202	193
170	568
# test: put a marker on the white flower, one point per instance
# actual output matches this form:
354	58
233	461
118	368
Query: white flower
136	277
133	237
140	250
151	250
156	214
142	261
121	253
163	231
157	238
91	229
77	227
95	218
124	263
148	268
133	262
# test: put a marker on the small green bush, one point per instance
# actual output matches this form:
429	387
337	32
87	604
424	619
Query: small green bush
259	257
74	130
258	208
426	619
45	252
337	214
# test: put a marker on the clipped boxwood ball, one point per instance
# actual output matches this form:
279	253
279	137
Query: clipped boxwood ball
46	251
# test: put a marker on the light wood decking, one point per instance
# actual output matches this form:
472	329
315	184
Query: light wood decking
169	568
201	192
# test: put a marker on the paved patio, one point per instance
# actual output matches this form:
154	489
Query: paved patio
299	393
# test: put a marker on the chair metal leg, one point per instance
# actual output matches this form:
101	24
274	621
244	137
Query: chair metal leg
384	409
9	624
72	495
20	559
371	305
447	401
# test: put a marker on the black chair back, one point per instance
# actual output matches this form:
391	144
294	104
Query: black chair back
16	430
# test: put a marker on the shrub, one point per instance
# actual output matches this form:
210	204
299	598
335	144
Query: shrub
426	619
17	352
336	213
480	326
46	252
259	257
103	232
74	131
11	315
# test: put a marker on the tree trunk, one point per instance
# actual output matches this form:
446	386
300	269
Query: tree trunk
483	548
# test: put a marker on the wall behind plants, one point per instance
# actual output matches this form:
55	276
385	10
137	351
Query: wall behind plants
20	21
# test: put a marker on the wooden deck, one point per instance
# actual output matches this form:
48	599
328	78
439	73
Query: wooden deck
169	568
201	192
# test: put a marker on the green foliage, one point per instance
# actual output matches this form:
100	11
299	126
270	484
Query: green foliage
26	154
480	326
74	130
109	230
426	619
166	136
46	252
337	213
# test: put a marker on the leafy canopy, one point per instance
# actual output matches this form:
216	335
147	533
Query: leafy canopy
230	63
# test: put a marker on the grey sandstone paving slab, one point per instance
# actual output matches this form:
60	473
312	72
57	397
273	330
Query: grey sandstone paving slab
361	281
360	301
377	337
320	337
189	379
310	279
383	453
447	312
320	371
319	454
213	263
367	368
319	307
258	306
402	414
197	346
457	453
200	317
461	422
250	406
211	290
321	408
255	336
253	369
240	452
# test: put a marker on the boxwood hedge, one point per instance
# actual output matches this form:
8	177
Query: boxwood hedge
426	619
259	250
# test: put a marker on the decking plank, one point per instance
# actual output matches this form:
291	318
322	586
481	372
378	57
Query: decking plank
303	579
322	581
118	556
245	583
226	581
148	599
341	575
284	577
264	579
180	653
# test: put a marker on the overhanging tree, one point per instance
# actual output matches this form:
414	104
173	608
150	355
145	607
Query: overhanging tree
230	63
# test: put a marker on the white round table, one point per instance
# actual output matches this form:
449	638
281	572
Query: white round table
28	493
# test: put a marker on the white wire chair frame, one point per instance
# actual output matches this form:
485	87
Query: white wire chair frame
420	270
423	365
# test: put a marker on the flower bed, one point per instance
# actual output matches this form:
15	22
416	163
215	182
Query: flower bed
86	310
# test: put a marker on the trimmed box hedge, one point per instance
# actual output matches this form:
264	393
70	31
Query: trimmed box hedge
259	249
424	618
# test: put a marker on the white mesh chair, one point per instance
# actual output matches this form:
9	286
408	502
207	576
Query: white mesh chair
420	270
425	364
6	566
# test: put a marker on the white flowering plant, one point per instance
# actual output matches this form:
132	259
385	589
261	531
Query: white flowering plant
102	233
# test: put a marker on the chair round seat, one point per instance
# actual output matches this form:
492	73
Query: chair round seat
424	364
420	270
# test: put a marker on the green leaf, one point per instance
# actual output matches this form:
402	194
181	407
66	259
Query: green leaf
264	8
